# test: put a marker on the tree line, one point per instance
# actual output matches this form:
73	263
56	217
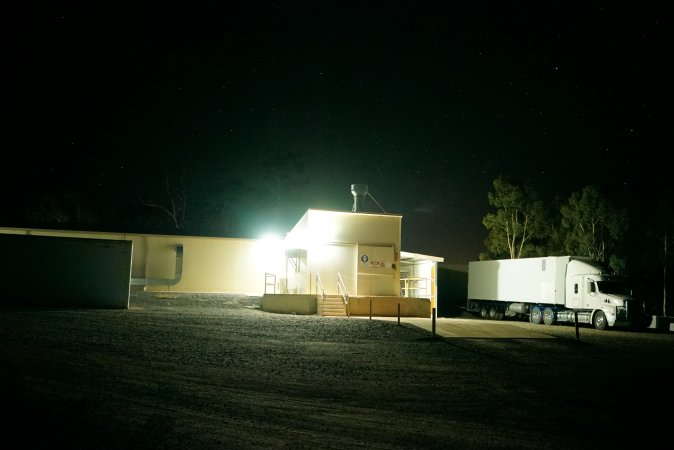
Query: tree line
587	223
171	197
521	223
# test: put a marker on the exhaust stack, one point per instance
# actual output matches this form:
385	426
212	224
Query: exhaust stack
359	192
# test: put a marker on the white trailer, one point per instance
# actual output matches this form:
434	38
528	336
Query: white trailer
552	289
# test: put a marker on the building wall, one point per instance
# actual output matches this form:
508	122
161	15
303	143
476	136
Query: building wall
378	270
328	242
58	272
337	241
289	303
329	259
388	306
210	264
138	241
349	227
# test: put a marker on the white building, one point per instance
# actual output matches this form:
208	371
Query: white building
330	263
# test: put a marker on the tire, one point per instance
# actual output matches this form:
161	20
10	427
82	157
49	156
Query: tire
484	313
493	312
599	320
536	315
549	316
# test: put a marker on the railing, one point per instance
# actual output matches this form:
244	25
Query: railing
341	289
320	290
267	282
417	286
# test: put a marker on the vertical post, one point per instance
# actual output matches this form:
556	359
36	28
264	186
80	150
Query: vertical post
433	317
398	313
575	319
370	309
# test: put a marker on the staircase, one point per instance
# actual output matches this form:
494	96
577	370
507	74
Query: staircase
332	305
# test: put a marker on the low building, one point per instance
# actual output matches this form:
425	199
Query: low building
330	263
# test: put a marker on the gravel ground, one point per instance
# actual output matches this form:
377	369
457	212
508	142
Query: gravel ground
214	372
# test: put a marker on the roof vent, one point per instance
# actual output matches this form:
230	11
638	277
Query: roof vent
359	192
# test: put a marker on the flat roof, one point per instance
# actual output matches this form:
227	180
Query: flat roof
420	257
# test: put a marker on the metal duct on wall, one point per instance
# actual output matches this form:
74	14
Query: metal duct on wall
165	281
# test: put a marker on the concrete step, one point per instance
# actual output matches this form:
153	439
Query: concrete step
331	305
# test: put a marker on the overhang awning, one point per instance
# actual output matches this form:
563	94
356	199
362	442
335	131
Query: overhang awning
418	257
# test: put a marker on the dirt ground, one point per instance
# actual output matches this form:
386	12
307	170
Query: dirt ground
215	372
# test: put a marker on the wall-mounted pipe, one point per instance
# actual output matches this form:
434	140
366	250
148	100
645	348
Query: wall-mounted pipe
164	281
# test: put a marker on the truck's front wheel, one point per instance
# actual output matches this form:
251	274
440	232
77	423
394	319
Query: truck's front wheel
599	320
536	315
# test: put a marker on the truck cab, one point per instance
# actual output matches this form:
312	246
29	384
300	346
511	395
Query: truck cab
597	296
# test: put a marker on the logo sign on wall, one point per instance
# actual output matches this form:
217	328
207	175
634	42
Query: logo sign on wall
375	264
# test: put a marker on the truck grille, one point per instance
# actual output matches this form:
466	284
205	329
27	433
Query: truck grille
633	311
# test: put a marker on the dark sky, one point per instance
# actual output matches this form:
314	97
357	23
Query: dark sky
425	102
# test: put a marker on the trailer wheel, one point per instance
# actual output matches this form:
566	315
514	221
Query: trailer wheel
536	315
549	316
484	313
493	312
599	320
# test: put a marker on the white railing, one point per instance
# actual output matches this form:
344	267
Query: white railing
414	287
341	289
270	280
320	291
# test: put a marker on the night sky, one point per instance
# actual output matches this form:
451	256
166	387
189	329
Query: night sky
268	109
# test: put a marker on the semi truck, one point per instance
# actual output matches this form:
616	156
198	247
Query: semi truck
552	289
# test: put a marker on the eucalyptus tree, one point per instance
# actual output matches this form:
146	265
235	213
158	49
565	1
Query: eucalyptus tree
520	224
594	227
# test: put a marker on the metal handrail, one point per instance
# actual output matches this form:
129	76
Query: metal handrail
341	289
269	276
321	293
418	284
